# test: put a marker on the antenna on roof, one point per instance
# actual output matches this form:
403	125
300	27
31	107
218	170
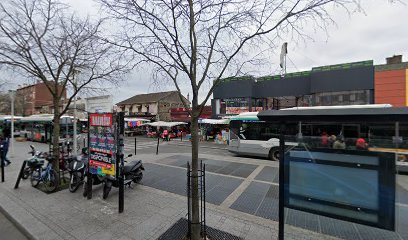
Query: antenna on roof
284	52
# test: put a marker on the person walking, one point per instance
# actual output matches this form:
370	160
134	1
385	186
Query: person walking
5	143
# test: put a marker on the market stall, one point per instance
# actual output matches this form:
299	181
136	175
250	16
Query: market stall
215	129
166	129
134	126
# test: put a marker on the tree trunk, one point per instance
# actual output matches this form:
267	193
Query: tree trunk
195	228
55	136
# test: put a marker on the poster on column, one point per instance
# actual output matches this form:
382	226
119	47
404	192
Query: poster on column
102	144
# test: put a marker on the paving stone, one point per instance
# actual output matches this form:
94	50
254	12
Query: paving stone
267	174
303	220
371	233
338	228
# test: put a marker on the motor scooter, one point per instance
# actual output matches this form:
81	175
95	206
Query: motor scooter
36	160
76	168
133	172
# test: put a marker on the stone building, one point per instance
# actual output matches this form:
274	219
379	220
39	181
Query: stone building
153	106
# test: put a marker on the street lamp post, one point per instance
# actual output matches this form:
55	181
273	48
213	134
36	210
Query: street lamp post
12	97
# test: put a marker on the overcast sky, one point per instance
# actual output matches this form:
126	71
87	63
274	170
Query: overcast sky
381	31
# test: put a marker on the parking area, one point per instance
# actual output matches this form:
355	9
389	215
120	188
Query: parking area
258	193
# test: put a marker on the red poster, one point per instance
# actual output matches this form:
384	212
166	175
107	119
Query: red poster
101	120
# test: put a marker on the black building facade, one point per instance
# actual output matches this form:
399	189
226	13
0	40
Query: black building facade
342	84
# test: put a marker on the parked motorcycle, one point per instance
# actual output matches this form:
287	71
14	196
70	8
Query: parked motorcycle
76	168
36	160
133	172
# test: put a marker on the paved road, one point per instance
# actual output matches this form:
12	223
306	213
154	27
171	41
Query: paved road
8	231
250	185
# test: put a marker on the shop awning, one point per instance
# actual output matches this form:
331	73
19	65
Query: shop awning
214	121
164	124
136	120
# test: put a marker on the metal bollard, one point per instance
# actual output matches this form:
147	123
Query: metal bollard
20	175
157	149
135	146
2	164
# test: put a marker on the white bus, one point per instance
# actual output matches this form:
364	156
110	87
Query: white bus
251	137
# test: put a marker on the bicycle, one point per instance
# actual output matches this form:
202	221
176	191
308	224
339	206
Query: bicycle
47	175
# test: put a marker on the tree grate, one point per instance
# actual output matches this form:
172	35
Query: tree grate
179	230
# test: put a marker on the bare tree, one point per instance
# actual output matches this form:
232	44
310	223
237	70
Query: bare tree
43	40
208	40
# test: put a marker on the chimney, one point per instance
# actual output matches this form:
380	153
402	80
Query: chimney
394	59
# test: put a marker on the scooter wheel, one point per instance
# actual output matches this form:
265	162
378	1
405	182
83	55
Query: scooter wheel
106	189
85	193
26	173
74	181
138	178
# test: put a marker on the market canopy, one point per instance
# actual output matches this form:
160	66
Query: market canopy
214	121
136	120
165	124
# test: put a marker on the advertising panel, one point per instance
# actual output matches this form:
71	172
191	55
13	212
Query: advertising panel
102	144
356	186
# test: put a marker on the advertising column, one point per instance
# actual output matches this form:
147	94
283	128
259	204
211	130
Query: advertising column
102	145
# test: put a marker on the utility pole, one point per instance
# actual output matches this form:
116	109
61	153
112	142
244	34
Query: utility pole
12	97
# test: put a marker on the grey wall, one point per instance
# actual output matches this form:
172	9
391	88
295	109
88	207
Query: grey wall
319	81
295	86
342	80
232	89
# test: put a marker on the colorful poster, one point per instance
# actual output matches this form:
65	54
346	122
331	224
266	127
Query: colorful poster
102	144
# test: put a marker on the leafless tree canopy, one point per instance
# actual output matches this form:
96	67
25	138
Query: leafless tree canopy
44	41
202	40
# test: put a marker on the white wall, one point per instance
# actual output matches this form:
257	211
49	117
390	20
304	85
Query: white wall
101	104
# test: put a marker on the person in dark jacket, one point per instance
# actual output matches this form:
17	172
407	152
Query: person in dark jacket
5	142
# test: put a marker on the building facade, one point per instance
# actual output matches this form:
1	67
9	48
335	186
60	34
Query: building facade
341	84
152	106
35	99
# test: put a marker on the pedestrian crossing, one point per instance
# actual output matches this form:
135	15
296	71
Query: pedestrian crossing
142	145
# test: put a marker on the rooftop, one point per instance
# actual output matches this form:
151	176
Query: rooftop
146	98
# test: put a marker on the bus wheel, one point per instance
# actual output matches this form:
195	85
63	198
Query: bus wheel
274	154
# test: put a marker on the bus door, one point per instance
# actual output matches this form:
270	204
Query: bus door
250	139
233	142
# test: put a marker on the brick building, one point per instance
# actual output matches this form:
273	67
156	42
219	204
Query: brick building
35	99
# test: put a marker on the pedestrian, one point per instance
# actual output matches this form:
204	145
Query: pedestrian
332	139
361	144
339	143
325	139
5	143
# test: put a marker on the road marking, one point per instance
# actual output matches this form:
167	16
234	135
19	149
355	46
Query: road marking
241	188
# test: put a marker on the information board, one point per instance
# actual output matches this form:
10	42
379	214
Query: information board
357	186
102	144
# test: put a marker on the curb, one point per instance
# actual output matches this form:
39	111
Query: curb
18	225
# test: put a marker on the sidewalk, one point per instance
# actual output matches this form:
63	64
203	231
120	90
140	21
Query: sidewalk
148	212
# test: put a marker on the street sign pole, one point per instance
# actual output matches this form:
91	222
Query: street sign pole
120	161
